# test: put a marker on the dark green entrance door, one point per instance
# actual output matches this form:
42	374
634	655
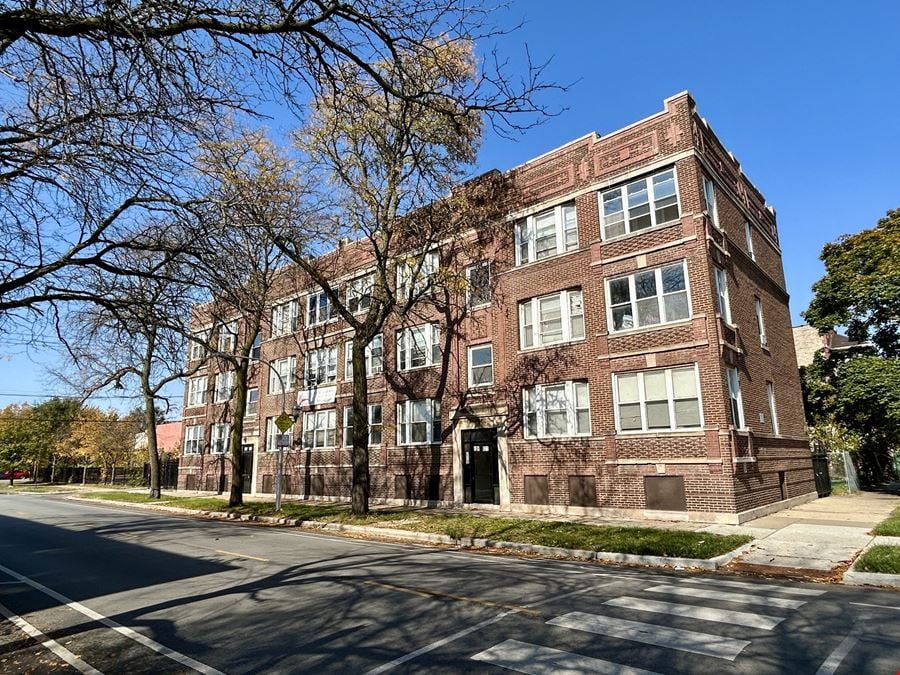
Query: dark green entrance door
481	474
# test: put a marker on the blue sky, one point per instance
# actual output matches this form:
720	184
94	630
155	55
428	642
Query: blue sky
805	94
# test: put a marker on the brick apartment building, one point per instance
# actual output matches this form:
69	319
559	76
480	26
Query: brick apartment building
627	351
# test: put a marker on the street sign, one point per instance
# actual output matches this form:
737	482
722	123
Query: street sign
284	422
282	440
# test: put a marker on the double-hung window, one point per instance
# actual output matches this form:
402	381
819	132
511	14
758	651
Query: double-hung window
748	236
375	424
196	391
272	434
649	297
658	400
282	379
418	346
709	201
319	429
760	322
722	302
284	318
481	365
773	411
418	422
478	285
228	337
374	357
252	403
193	439
409	282
224	386
639	205
221	439
321	366
551	319
197	350
546	234
318	309
359	294
255	349
734	397
556	410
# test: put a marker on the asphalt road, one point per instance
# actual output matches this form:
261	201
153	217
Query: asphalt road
91	588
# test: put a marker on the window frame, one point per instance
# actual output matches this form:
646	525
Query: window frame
748	237
525	233
469	365
773	408
406	285
735	398
660	296
330	366
215	438
709	200
469	270
566	315
255	402
217	387
201	390
536	398
347	434
314	305
670	400
370	360
291	376
192	442
197	350
330	415
256	348
355	291
433	352
227	338
723	300
432	422
760	322
623	195
285	317
272	431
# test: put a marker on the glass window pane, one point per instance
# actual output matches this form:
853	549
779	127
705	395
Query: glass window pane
630	416
419	412
612	202
627	388
676	306
556	423
655	385
687	413
481	356
666	210
622	318
418	432
664	185
645	284
637	194
581	395
684	383
658	415
618	291
614	229
673	278
583	422
648	312
639	218
555	397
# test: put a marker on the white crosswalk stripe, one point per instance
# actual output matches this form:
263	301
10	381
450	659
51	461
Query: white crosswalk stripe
728	616
653	634
754	587
725	596
525	657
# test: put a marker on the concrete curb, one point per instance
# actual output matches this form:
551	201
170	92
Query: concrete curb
854	578
463	542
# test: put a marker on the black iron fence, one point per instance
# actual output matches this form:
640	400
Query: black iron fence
821	473
121	476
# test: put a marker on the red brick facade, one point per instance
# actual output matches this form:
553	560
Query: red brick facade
708	470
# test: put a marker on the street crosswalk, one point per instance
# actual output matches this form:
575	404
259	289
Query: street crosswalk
648	623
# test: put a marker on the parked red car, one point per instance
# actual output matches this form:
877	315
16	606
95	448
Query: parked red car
15	474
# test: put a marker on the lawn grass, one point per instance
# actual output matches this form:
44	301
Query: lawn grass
838	487
635	540
125	496
880	559
28	487
890	526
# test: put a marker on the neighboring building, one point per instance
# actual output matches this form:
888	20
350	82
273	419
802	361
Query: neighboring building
630	355
808	342
168	439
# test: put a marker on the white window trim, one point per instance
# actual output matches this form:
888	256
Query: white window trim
217	389
286	322
290	377
314	414
330	356
530	231
484	345
347	440
760	322
272	431
332	315
773	409
196	350
571	410
228	334
736	396
199	391
354	290
189	440
670	398
748	236
469	271
247	412
434	415
709	200
406	286
226	439
433	340
660	295
370	364
721	275
653	224
566	316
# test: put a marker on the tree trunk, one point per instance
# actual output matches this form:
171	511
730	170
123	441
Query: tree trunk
53	469
236	496
152	446
359	491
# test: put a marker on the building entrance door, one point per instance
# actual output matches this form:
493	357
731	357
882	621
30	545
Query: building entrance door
481	474
247	467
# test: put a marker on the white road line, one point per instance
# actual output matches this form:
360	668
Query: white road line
524	657
724	596
653	634
752	587
568	595
697	612
866	604
63	653
840	652
119	628
390	665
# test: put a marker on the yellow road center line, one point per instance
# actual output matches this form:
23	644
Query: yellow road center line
242	555
425	593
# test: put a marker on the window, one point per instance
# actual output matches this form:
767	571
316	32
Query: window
228	336
318	429
639	205
197	349
709	201
257	346
481	365
734	396
224	386
546	234
374	357
272	434
283	375
359	294
551	319
418	347
321	366
252	403
658	400
284	318
221	440
748	236
760	322
318	309
196	391
478	285
410	283
649	297
722	302
773	412
375	423
418	422
556	410
193	439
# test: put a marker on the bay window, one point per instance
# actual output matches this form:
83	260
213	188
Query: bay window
556	410
649	298
639	205
658	400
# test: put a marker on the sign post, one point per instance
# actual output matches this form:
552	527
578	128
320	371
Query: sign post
282	440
